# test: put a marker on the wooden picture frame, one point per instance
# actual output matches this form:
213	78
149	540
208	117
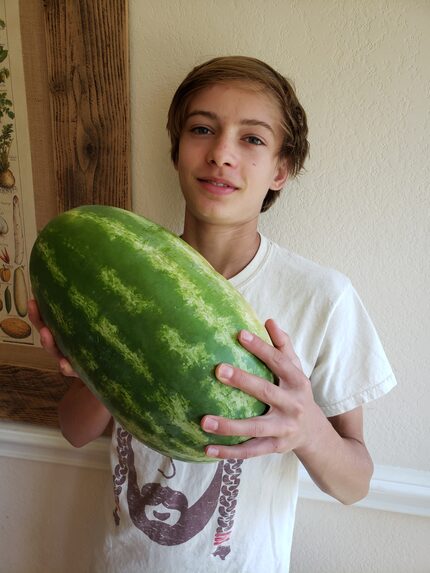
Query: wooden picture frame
76	68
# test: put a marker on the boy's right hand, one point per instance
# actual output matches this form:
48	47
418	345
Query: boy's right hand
47	340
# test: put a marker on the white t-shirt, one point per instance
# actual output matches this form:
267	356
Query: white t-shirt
237	516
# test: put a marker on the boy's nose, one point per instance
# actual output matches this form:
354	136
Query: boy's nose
222	153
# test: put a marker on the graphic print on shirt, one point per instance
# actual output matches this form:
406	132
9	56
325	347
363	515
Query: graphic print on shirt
164	514
227	506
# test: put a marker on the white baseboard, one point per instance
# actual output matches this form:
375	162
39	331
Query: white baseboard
400	490
39	444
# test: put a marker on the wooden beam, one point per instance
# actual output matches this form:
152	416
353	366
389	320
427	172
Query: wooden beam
31	395
88	74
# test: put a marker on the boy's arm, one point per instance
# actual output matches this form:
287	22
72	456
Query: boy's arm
338	460
82	416
333	451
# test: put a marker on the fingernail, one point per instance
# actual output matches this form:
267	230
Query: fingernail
245	336
212	451
64	367
210	424
225	372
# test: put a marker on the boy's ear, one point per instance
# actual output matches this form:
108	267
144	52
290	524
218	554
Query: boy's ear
281	175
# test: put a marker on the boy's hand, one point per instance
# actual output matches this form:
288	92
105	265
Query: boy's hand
47	340
289	422
82	416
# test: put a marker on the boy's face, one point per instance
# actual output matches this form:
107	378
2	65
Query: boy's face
229	153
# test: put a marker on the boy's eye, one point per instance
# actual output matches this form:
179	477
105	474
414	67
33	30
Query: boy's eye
254	140
200	130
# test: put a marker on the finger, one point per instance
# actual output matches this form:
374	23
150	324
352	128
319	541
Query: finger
34	314
282	341
281	361
265	391
249	449
46	338
249	427
255	427
66	368
48	342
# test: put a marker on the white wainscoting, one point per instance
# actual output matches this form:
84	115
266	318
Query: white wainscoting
401	490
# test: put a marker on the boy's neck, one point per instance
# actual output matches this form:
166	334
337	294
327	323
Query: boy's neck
228	249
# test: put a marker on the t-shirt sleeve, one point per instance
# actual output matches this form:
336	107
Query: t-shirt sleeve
351	368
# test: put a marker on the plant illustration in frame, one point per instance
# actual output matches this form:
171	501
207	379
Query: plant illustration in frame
7	178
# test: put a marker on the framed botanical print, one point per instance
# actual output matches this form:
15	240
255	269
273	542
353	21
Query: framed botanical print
64	142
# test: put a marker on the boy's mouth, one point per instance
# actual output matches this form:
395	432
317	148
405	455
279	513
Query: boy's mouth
218	186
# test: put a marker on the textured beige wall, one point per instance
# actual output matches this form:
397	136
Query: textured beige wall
50	516
341	539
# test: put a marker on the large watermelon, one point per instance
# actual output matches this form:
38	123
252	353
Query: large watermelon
144	320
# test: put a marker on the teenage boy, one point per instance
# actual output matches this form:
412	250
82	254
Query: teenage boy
238	132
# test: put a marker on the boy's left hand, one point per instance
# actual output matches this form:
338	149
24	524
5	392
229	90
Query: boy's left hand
289	423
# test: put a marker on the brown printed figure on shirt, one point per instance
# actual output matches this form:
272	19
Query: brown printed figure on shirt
164	514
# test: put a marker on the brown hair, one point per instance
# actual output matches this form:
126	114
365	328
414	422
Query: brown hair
295	146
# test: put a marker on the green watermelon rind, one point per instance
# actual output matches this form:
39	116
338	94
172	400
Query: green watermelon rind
144	319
